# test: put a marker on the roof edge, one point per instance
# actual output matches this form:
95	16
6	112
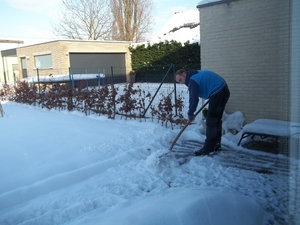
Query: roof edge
213	2
74	40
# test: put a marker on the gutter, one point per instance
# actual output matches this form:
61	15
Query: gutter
212	3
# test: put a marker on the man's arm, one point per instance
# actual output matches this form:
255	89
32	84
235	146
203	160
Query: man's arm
193	98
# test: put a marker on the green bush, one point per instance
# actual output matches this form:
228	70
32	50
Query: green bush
154	59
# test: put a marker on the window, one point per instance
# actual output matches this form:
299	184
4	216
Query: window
23	63
43	61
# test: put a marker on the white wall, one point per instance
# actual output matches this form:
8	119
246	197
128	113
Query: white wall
8	62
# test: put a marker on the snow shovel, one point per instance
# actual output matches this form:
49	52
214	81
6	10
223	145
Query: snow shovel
186	125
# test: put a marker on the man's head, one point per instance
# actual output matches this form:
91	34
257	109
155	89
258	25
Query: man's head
180	76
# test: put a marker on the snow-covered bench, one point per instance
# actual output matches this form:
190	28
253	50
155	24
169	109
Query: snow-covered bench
270	128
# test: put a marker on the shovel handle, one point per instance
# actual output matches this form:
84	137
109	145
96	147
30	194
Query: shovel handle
186	125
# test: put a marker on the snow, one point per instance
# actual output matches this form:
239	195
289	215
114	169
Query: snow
273	127
63	77
182	27
60	167
190	206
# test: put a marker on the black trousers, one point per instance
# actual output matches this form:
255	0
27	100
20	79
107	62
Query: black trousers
216	108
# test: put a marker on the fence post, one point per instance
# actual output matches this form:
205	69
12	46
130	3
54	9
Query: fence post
113	91
70	75
1	110
98	78
161	83
175	92
112	75
104	77
87	79
71	78
38	77
73	81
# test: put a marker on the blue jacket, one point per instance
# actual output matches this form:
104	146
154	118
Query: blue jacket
203	84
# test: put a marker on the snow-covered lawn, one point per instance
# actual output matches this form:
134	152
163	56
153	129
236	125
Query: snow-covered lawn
60	167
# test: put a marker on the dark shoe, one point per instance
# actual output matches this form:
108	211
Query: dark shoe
202	151
217	148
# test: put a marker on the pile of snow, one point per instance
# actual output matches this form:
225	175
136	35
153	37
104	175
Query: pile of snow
192	207
233	122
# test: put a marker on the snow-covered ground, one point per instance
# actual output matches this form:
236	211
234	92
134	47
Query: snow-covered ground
60	167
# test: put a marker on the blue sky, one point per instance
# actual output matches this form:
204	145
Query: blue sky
31	19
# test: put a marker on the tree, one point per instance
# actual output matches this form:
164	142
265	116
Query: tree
85	20
132	19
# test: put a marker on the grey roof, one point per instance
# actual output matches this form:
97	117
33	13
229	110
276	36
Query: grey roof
9	52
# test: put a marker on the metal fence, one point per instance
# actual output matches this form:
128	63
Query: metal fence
162	79
92	77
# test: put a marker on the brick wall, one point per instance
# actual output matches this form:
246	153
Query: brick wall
60	54
247	42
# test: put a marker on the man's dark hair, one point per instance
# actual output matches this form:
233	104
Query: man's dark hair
179	72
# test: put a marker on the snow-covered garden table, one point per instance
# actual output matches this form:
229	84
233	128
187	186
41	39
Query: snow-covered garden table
270	128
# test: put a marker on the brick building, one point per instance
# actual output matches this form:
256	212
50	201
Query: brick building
73	56
249	42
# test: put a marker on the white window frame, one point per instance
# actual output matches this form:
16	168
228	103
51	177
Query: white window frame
43	61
